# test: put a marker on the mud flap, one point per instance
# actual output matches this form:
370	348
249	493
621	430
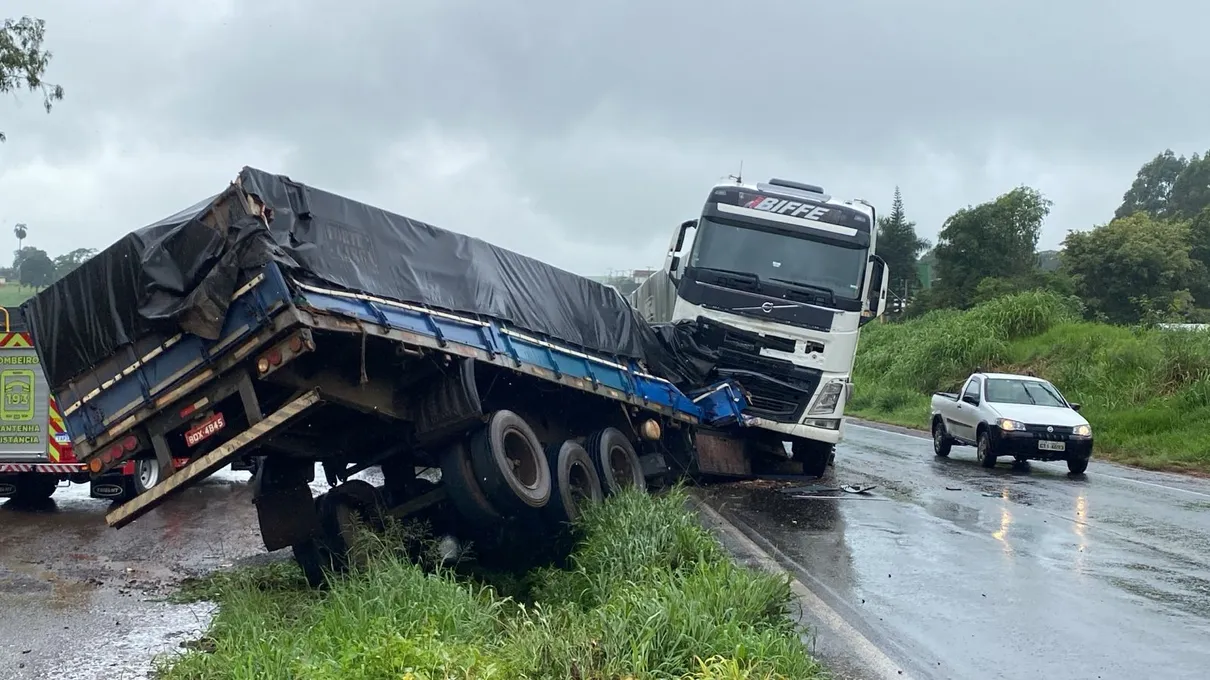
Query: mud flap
284	507
723	455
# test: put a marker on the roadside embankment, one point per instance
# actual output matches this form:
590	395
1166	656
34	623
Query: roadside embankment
1145	391
646	593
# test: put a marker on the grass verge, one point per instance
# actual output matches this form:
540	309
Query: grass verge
647	593
1145	391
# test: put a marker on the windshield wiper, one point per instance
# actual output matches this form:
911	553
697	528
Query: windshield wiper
746	277
807	286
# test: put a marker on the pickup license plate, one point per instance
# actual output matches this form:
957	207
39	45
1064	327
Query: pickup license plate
205	430
1052	446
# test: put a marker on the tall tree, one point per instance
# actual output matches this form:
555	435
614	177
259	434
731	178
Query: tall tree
993	239
20	231
899	245
1191	189
36	269
1132	268
23	60
1153	186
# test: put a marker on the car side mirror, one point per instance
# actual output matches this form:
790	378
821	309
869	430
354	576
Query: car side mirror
1074	406
973	401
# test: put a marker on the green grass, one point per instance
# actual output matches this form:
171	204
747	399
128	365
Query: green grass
1145	391
649	594
12	295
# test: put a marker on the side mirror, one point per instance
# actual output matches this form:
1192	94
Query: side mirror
672	262
1074	406
875	304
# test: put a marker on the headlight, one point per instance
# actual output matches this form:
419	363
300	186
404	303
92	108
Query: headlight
1006	424
829	396
1082	430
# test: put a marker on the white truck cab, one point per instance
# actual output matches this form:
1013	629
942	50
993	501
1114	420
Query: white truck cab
778	279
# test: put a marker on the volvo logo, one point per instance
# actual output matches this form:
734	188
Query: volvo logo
1050	428
766	307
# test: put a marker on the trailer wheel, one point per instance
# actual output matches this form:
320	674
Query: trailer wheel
507	459
353	503
616	461
575	481
33	487
313	556
463	488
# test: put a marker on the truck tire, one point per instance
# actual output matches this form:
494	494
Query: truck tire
353	503
616	462
467	497
146	475
814	456
313	556
33	487
1077	466
984	452
942	444
509	464
575	482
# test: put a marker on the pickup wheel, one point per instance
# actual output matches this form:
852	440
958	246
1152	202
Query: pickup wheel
984	452
1077	466
941	441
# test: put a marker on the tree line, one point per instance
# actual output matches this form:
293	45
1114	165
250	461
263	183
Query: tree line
1150	263
33	267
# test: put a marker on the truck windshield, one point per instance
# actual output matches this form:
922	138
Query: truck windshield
779	257
1032	392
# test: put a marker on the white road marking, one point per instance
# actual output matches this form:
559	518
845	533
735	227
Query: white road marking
925	437
866	651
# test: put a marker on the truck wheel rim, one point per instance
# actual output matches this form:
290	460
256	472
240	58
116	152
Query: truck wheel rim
149	473
522	459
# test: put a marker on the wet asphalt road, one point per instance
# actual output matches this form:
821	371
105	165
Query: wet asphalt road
954	571
79	600
951	570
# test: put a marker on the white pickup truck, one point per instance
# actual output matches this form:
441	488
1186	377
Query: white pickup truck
1018	416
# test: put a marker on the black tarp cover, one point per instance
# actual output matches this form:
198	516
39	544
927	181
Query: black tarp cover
180	273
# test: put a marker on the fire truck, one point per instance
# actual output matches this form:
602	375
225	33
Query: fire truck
36	454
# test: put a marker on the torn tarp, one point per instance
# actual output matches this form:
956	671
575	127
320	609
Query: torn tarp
180	273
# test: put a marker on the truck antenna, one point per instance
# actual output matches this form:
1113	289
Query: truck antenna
739	178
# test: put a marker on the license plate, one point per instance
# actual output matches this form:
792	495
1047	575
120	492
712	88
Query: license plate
1052	446
205	430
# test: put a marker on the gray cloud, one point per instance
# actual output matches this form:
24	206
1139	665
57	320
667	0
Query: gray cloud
581	133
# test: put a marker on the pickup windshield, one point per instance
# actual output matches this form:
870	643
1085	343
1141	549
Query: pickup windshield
775	256
1014	391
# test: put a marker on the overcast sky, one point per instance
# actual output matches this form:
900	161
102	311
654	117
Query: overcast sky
582	132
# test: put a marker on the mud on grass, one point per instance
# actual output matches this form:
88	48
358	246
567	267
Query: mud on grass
1145	391
646	593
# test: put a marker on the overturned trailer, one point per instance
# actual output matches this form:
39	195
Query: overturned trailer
286	322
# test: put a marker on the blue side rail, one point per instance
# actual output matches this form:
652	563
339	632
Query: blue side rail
101	404
622	379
